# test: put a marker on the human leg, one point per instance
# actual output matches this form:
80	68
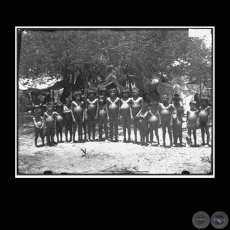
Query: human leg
157	135
66	130
100	129
202	133
48	134
180	135
128	125
93	127
74	129
207	133
135	122
89	127
106	128
111	121
36	136
52	135
163	133
141	134
194	136
124	127
57	131
175	133
146	132
151	134
79	123
42	136
116	128
169	133
70	128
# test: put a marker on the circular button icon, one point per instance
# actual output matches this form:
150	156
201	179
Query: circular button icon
219	220
201	220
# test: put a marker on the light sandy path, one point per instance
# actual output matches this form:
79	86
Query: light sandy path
109	158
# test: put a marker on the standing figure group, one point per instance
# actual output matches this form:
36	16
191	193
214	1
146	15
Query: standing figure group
105	110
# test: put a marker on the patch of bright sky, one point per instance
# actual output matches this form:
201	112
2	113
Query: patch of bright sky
204	34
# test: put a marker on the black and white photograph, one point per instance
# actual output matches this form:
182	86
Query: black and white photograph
115	102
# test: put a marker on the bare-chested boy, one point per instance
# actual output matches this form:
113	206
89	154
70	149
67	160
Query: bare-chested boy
59	120
126	113
49	117
68	119
136	104
113	104
153	121
177	119
77	106
204	116
102	116
38	125
192	120
92	107
143	117
165	110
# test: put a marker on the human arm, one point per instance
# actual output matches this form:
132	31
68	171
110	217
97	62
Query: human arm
35	123
145	115
174	113
72	107
150	111
131	113
141	101
43	122
158	110
138	114
119	108
107	108
84	108
97	111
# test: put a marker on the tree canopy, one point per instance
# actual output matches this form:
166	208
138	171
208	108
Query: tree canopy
137	55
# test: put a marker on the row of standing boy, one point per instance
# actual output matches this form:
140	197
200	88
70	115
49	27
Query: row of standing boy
146	116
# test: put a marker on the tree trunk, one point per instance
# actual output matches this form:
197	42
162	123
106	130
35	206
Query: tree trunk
130	85
85	85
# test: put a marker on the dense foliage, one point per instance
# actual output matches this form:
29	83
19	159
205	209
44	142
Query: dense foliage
136	55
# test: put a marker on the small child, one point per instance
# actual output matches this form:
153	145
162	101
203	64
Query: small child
92	107
143	117
78	110
153	121
68	120
113	105
59	120
204	116
192	119
102	115
136	104
177	119
38	125
49	117
126	113
166	110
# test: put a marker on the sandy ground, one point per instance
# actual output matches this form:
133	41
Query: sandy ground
108	157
